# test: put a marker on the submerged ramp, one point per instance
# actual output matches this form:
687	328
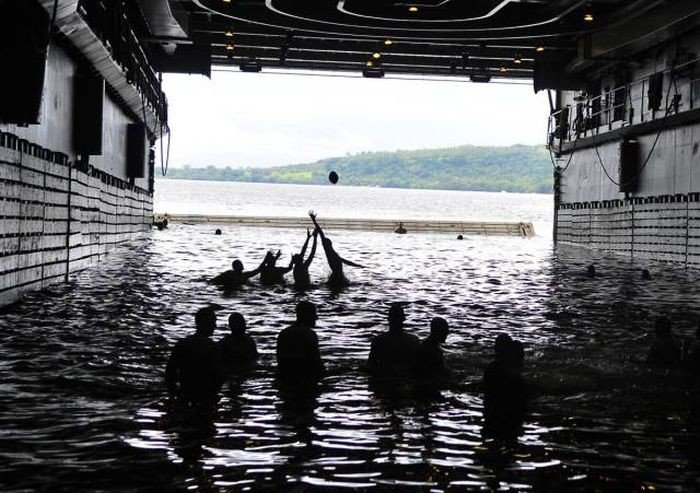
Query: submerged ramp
385	225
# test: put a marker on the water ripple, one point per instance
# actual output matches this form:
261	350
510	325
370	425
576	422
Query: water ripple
84	408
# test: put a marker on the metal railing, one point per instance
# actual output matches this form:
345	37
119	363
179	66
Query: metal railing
113	21
625	105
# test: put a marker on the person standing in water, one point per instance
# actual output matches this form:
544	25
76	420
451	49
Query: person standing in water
302	280
298	355
238	349
335	261
194	372
393	353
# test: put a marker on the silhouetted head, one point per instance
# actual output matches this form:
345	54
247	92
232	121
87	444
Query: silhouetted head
396	316
590	271
439	329
502	346
217	232
296	259
236	322
205	321
460	237
646	275
237	265
306	314
662	327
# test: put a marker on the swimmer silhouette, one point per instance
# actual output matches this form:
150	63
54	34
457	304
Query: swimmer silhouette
236	276
665	351
335	261
238	350
400	230
217	232
590	271
302	280
194	372
505	400
646	275
298	355
430	362
271	274
393	353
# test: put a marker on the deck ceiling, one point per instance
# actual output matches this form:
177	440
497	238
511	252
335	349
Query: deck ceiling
498	38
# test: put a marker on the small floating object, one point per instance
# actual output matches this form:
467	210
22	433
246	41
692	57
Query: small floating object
217	232
333	177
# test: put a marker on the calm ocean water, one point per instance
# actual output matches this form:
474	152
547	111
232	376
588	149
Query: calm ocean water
84	407
265	199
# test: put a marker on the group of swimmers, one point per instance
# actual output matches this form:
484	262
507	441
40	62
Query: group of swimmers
271	274
197	366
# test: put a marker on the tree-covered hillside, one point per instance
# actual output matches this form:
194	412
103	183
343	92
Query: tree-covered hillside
516	168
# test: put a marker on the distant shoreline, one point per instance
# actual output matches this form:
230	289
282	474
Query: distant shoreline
516	168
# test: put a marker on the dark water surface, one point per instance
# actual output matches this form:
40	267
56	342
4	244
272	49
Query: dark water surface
83	406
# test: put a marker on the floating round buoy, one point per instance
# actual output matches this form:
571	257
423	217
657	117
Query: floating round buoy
333	177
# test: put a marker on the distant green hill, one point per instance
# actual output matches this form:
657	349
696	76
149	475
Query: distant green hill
516	168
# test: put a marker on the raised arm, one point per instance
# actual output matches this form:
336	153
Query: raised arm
308	261
312	215
306	243
256	271
284	270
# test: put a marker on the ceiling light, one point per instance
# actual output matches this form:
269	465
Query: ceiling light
376	55
517	60
230	47
588	17
413	8
388	42
539	49
226	1
229	34
503	70
369	63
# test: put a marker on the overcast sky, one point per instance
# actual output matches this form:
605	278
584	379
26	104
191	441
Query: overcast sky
240	119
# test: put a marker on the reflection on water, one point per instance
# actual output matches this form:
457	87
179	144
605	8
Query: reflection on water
84	408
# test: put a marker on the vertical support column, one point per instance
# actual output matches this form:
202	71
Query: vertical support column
69	216
687	228
632	232
557	201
